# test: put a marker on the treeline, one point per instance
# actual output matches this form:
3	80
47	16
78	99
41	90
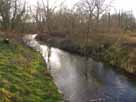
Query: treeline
86	16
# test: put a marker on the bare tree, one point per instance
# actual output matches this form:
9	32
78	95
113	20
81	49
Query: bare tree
92	10
43	15
12	13
101	8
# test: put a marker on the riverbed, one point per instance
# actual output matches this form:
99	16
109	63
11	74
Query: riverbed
84	80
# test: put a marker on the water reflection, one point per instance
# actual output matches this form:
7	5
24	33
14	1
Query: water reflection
102	85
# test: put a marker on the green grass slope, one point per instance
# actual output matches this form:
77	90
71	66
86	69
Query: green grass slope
23	76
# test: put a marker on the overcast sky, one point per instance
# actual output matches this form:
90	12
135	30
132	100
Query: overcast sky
118	4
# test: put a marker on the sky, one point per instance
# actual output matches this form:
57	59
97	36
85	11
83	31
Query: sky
68	3
117	4
125	5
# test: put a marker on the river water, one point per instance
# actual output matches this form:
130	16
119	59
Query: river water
82	80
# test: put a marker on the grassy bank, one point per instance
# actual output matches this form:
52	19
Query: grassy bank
115	55
111	49
23	75
115	49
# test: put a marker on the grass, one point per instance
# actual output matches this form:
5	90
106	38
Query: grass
117	53
23	76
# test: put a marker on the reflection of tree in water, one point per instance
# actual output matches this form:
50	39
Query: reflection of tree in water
96	78
48	57
86	63
90	69
93	73
86	68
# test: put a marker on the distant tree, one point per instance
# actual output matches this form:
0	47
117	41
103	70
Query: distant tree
12	13
120	21
43	15
101	8
127	21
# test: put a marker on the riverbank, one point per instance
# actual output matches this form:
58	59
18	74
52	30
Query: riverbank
115	53
24	76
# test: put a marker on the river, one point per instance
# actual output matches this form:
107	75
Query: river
82	80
